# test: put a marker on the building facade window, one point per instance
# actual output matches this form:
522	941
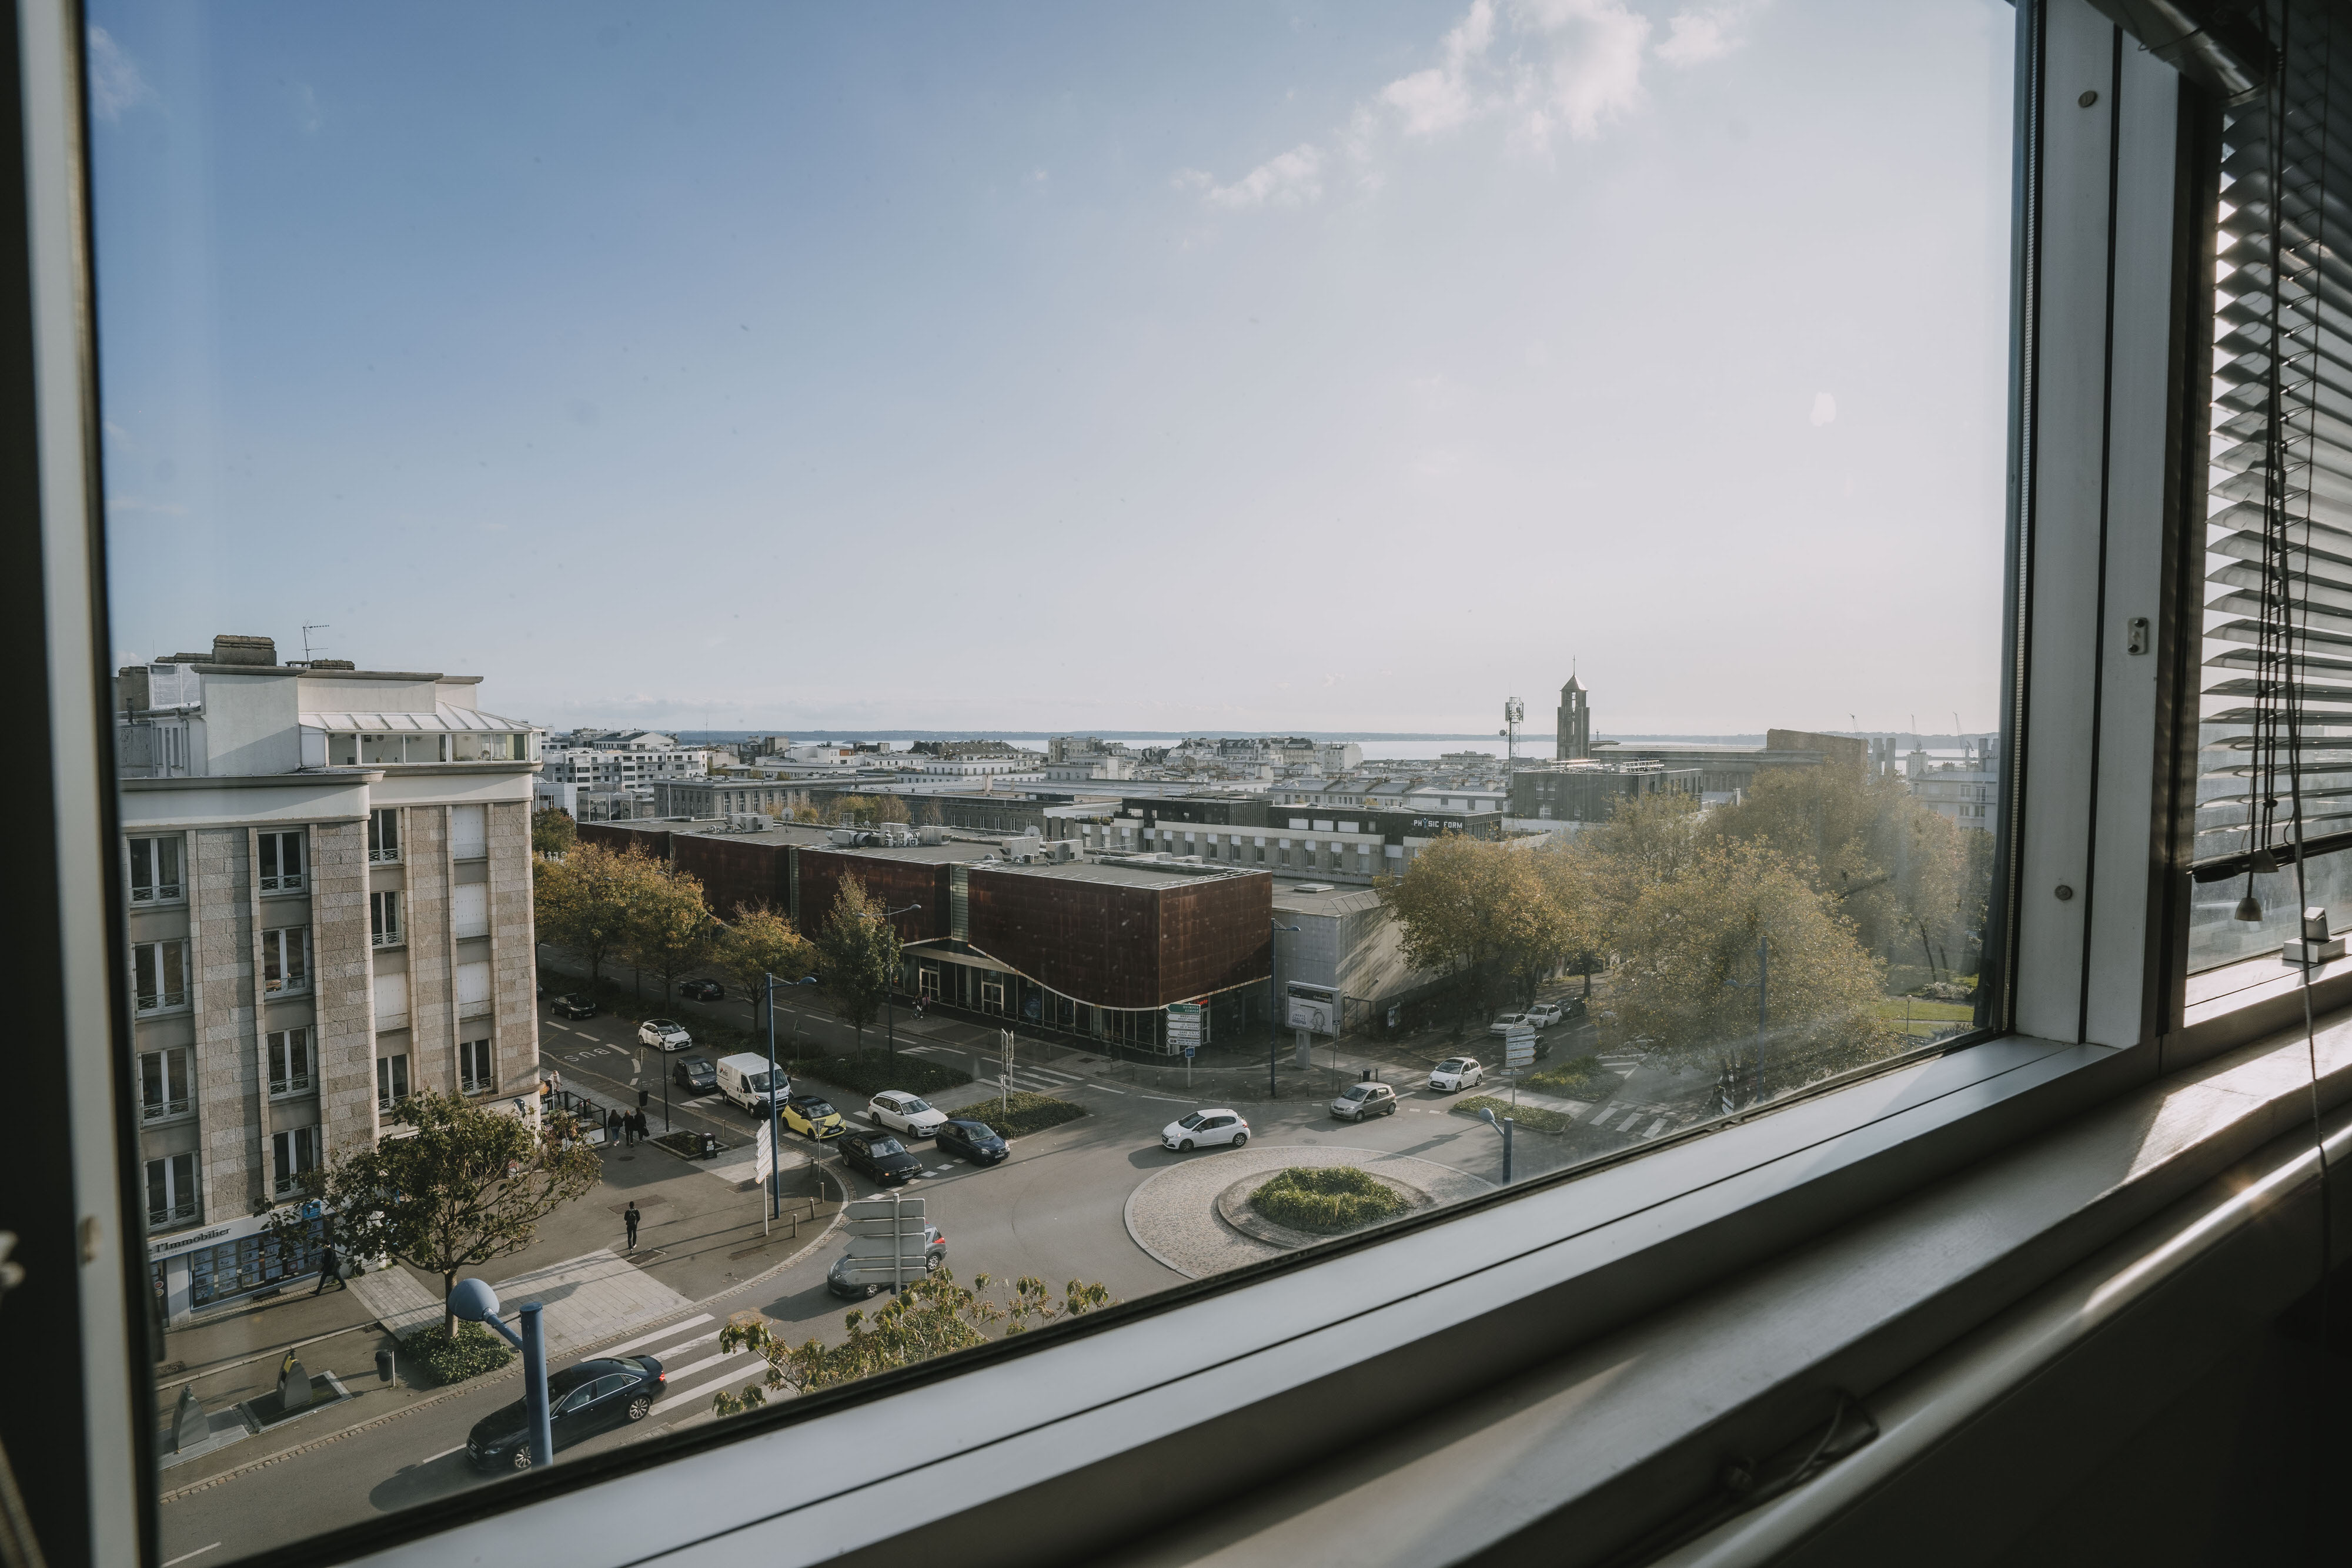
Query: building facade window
383	919
283	862
156	870
473	990
469	838
164	1083
159	975
293	1153
476	1073
383	835
286	959
290	1060
469	909
391	1081
391	1001
170	1190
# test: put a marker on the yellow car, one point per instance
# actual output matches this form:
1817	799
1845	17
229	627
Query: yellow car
812	1117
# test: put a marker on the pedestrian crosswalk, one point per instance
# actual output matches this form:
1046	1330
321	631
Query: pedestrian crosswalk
693	1366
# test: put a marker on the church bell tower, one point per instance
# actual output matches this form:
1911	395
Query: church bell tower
1573	732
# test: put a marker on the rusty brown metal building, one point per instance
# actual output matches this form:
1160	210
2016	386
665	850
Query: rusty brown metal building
1096	949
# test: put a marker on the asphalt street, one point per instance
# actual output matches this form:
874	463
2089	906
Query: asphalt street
1054	1209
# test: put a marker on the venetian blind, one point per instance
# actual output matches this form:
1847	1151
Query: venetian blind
2275	737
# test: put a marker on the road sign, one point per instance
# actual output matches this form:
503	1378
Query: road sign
1519	1049
886	1237
764	1158
1184	1027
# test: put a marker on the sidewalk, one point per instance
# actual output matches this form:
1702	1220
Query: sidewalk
700	1236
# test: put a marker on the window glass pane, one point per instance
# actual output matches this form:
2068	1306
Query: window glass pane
1641	378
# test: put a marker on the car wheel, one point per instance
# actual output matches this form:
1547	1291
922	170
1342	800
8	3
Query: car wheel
872	1292
641	1406
523	1458
1240	1138
1185	1146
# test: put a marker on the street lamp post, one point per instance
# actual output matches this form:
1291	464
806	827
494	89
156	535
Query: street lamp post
775	1136
474	1301
1274	1007
1504	1126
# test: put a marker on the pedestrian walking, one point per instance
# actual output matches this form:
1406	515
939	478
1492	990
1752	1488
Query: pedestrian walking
630	1219
327	1270
643	1132
612	1120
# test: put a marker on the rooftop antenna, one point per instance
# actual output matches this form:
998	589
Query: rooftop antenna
314	626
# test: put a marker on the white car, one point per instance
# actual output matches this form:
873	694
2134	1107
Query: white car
905	1113
1455	1074
1219	1125
664	1033
1358	1100
1503	1026
1543	1015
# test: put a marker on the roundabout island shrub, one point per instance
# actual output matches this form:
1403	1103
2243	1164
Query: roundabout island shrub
1328	1199
472	1351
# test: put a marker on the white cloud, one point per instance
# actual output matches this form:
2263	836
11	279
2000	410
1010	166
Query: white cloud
1292	180
1704	33
115	84
1443	96
1824	409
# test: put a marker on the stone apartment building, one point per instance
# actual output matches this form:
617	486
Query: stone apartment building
327	871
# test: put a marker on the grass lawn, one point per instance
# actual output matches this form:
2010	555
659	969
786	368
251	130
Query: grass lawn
1533	1118
1016	1116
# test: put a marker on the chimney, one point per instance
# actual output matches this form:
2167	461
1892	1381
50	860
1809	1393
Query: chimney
230	649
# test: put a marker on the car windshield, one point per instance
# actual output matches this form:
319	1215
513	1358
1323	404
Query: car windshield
913	1107
1357	1092
755	1080
888	1146
1192	1120
977	1132
817	1108
628	1362
1453	1066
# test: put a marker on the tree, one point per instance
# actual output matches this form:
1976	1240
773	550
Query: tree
1736	962
470	1186
759	942
552	832
858	957
1476	911
932	1316
583	901
670	927
864	810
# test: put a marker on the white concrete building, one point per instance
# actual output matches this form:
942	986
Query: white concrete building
328	876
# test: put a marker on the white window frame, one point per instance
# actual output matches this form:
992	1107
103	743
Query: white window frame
269	860
392	1085
383	835
170	1068
285	950
292	1059
384	929
294	1152
160	957
157	848
182	1187
478	1067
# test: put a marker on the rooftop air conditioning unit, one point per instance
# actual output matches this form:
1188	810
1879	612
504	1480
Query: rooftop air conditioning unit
934	835
843	835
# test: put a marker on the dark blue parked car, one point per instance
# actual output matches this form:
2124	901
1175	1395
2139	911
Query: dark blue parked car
974	1141
583	1401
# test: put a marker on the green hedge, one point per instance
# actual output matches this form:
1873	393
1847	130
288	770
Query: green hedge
1581	1078
872	1071
471	1352
1530	1118
1328	1199
1018	1116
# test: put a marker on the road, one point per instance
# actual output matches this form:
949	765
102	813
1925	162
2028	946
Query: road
1054	1209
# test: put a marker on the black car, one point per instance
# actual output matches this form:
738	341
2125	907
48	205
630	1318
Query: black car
881	1156
583	1401
837	1279
694	1074
974	1141
574	1005
701	990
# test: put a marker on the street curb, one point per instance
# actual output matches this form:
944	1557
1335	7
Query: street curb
470	1384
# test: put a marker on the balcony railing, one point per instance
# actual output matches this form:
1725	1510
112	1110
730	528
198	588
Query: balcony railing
386	938
291	882
182	1208
384	857
294	1083
162	1109
155	893
159	1001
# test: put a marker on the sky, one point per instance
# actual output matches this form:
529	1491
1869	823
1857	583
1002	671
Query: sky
1222	366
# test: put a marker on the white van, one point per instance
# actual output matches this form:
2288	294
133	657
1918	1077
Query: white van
743	1078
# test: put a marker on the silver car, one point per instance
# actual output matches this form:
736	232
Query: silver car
1363	1099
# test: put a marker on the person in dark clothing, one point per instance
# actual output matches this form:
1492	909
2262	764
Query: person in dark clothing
612	1120
630	1219
327	1266
642	1132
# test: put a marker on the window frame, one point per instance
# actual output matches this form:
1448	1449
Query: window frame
277	943
384	929
383	846
269	846
166	1000
173	1108
157	898
1967	1108
280	1049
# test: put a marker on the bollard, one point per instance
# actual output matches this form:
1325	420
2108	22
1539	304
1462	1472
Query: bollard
384	1364
293	1385
189	1426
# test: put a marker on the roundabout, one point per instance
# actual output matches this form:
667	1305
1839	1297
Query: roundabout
1196	1218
